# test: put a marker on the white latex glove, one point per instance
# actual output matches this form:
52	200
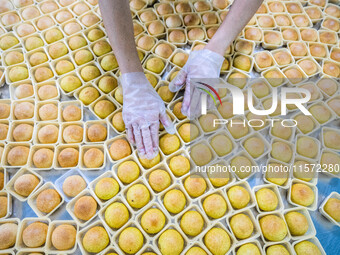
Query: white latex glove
201	64
142	110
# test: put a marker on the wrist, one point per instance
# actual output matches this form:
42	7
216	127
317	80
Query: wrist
216	47
133	80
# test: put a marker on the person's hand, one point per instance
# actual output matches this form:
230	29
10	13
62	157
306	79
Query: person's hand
201	64
142	110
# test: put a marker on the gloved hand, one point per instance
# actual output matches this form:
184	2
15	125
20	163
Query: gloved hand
201	64
142	110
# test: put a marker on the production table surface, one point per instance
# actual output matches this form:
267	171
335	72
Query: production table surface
327	233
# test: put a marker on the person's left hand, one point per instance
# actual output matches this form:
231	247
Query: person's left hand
201	64
143	108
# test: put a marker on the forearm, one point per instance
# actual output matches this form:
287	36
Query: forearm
238	17
118	25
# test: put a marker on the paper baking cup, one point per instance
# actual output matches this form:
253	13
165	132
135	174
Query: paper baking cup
290	144
292	128
329	18
59	148
316	141
316	64
165	84
286	245
10	103
71	204
7	148
253	241
328	78
41	84
140	12
285	41
219	192
178	44
115	168
60	181
115	237
153	205
256	231
82	233
109	123
332	117
286	184
233	240
205	143
41	125
32	200
279	214
65	58
54	224
311	229
250	59
92	186
322	210
316	94
191	122
245	40
104	97
315	241
55	13
311	207
285	14
125	190
14	35
41	104
316	124
4	172
88	48
20	245
174	227
19	50
9	127
67	124
293	80
64	104
14	86
72	21
84	149
324	130
90	123
337	97
155	56
274	188
17	222
10	184
324	171
208	3
116	199
298	42
258	16
293	16
336	40
282	50
314	174
231	139
6	73
244	184
9	203
161	166
271	46
108	145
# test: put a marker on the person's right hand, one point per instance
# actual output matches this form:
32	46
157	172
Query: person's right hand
143	108
201	64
